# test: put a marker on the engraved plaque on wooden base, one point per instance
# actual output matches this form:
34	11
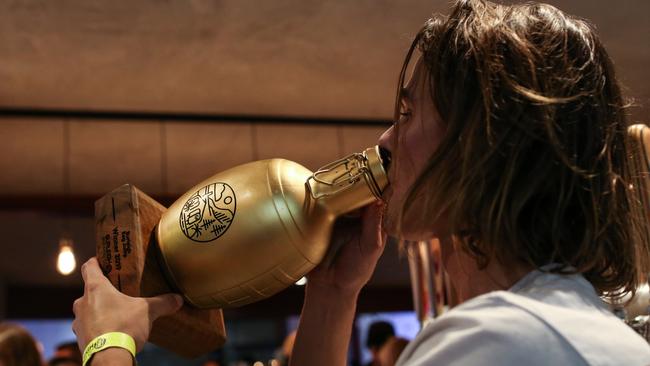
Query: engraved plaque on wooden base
127	253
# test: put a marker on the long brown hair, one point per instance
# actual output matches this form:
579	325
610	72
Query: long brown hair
17	347
534	164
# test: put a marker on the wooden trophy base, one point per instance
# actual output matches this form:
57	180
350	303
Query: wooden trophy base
127	253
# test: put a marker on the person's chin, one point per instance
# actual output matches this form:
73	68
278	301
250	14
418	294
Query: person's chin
388	225
407	232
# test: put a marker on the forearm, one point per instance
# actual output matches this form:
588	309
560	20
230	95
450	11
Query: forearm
112	357
325	327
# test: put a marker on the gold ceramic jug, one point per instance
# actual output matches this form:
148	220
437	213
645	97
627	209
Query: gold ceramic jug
249	232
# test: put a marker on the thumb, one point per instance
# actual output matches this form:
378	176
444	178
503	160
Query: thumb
162	305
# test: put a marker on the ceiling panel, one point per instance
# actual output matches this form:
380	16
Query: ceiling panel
105	154
357	138
284	57
245	57
158	157
196	151
31	156
311	146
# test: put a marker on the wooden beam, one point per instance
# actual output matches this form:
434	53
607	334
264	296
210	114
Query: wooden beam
130	115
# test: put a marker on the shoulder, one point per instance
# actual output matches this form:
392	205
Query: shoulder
489	330
503	328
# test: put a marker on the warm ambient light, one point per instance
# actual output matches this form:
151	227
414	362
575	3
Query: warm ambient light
66	262
301	282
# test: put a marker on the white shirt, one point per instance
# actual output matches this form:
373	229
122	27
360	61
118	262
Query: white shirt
544	319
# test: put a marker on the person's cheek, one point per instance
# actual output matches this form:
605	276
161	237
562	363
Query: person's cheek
425	143
413	156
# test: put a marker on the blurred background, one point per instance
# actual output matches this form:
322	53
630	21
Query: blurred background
164	93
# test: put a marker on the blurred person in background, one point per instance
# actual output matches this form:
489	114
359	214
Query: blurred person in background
391	350
18	347
66	354
379	333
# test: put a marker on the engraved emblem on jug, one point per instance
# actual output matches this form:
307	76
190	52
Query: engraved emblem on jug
208	213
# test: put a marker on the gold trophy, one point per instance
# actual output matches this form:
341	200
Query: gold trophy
238	237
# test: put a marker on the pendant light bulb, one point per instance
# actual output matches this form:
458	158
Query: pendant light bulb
66	262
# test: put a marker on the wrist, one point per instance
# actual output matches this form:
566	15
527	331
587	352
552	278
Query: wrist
325	294
109	343
113	356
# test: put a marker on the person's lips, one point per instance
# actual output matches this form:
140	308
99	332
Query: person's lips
386	157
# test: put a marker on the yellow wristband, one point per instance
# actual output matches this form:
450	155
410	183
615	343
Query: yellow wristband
108	340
